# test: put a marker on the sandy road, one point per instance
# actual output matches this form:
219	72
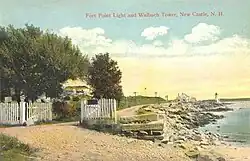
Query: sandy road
129	111
68	142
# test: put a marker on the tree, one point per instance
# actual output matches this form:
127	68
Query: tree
36	62
104	76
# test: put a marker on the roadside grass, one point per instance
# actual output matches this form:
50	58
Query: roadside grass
11	149
7	125
58	121
139	100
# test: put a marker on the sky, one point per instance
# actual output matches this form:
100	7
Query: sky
185	46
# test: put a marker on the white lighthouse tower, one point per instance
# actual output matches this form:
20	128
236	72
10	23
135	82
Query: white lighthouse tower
216	97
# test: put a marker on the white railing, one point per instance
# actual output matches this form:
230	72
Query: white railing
104	110
14	113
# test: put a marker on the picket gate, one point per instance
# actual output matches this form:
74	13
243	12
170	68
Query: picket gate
104	110
38	111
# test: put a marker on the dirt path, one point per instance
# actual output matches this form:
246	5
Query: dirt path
68	142
129	111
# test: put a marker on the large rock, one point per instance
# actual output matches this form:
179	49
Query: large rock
30	122
209	156
192	153
179	141
204	158
204	142
180	138
165	141
196	137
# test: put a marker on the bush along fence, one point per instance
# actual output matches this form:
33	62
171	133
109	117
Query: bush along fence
23	113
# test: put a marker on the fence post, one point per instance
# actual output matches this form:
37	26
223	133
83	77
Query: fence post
50	111
22	111
82	110
115	116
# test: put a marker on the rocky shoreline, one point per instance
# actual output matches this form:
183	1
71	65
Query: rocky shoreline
176	123
182	119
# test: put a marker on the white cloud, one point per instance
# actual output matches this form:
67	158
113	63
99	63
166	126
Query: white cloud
203	32
157	43
152	32
93	41
86	37
230	45
130	48
178	47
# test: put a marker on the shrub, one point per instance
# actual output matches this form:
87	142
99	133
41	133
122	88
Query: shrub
12	149
76	99
64	110
66	98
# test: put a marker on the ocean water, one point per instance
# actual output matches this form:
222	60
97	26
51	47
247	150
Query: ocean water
235	125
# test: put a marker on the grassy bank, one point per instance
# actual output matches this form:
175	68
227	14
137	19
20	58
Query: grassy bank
139	100
11	149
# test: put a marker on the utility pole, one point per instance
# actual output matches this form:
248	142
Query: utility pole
155	97
166	97
126	99
135	97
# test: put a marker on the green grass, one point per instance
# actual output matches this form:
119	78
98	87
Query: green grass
11	149
7	125
139	100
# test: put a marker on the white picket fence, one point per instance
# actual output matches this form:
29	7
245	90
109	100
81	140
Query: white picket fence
104	110
14	113
9	113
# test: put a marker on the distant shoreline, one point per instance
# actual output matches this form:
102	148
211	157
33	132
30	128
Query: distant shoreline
231	99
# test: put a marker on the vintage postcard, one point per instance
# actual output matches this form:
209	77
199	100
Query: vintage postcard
128	80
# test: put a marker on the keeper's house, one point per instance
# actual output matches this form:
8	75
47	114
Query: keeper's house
76	87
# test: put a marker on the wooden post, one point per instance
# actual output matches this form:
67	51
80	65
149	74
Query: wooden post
115	116
82	108
22	111
166	97
135	98
50	111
